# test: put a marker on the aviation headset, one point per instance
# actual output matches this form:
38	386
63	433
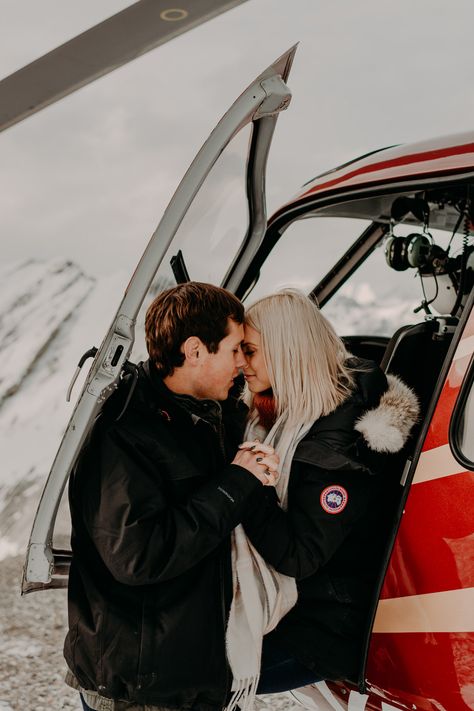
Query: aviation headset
419	251
416	250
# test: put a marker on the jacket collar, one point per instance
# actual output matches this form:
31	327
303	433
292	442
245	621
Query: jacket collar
185	407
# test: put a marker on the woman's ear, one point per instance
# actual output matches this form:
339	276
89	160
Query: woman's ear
192	348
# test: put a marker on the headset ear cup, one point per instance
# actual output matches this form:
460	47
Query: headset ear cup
418	249
396	253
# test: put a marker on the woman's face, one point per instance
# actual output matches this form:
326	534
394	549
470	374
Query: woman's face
255	371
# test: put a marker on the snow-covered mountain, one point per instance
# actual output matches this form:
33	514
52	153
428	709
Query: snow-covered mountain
50	314
358	310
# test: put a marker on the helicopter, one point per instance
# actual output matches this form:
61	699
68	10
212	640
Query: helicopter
414	205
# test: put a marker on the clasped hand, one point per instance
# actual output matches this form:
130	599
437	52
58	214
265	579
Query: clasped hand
259	459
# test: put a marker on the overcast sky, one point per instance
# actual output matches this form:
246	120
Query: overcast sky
89	177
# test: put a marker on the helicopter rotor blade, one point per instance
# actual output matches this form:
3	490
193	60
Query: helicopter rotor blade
101	49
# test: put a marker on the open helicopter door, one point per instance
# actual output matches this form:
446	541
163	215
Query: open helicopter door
258	107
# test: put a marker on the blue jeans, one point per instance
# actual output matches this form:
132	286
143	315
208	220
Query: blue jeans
84	705
280	671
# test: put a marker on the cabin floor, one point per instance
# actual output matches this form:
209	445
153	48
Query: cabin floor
32	631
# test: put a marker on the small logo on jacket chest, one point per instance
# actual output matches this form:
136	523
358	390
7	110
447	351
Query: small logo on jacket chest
334	499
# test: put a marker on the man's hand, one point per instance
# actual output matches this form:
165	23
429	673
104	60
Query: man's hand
260	460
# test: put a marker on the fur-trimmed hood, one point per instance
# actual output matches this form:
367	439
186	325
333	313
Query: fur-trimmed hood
386	427
374	422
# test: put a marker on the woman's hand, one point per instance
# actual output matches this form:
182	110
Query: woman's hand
260	460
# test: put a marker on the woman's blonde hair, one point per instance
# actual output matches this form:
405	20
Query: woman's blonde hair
305	359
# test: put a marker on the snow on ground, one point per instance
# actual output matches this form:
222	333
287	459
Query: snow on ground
32	630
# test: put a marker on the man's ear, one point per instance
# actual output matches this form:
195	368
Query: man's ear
192	350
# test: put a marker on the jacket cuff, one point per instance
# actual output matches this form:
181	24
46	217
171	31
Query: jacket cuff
238	484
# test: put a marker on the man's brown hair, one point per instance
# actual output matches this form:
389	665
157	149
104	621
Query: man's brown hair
191	309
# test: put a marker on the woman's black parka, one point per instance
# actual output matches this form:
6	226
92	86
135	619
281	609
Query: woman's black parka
334	553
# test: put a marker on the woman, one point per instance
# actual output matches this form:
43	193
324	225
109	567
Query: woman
335	422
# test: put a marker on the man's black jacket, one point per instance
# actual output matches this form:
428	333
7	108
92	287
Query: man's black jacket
153	501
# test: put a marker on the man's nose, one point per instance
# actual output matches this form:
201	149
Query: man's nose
240	361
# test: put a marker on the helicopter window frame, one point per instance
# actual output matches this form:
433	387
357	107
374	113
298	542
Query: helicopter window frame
330	283
456	436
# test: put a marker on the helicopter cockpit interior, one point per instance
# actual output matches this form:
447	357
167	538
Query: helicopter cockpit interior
446	277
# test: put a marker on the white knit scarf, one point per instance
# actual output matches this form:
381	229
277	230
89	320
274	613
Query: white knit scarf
261	595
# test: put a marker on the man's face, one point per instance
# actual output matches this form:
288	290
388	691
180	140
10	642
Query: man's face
215	373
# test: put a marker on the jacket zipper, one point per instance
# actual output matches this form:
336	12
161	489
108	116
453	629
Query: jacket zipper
224	624
219	431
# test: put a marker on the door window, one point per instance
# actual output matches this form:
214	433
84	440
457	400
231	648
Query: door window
211	232
304	253
374	301
216	223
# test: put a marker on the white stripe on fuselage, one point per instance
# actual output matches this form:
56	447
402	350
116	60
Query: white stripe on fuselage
447	611
435	464
465	347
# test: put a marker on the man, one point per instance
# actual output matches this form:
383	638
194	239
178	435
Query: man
153	501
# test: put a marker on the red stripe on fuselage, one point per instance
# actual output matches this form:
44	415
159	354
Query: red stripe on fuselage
433	550
394	162
438	432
